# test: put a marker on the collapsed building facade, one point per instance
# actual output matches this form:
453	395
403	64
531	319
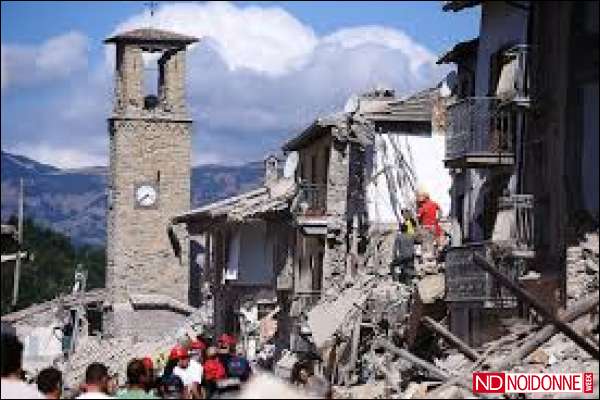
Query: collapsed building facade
352	174
317	235
245	240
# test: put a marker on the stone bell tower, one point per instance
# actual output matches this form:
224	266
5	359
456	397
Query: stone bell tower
150	150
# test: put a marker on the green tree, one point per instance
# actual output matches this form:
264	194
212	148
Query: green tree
52	271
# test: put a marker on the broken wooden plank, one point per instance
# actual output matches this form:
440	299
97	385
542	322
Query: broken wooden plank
450	338
577	310
435	371
355	342
539	307
463	380
407	355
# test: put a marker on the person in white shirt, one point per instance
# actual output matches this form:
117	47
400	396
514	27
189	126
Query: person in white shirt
96	382
12	386
190	372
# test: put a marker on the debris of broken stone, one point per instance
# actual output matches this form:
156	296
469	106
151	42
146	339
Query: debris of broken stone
387	373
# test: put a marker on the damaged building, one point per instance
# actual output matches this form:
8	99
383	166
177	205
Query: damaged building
523	241
246	240
321	235
520	139
507	145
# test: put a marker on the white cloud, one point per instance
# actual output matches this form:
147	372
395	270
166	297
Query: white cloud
255	79
264	39
57	58
382	36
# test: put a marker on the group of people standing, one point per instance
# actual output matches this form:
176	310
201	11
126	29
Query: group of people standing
194	370
205	370
423	233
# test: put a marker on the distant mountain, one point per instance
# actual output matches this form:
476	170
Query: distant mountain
73	201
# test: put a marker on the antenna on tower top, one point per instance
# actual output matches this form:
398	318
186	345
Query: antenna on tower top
152	6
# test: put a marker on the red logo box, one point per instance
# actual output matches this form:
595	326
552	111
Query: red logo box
488	382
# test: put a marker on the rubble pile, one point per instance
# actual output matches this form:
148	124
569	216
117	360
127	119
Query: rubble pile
558	355
346	325
582	267
394	353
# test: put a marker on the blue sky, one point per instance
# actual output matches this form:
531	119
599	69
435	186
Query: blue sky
276	65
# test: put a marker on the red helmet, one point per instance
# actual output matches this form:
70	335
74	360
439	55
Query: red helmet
197	345
227	340
148	363
178	352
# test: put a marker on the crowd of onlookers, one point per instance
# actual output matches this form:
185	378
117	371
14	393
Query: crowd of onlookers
196	369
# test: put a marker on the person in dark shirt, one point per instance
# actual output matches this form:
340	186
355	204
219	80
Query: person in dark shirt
50	383
172	387
403	264
238	367
235	365
67	336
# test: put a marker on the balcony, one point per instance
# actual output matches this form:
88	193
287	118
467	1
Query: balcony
466	282
480	134
519	208
310	208
311	200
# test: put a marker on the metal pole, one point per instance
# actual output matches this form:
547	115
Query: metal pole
17	274
539	307
450	338
575	311
435	371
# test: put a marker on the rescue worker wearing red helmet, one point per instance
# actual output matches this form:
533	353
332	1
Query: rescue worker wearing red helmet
197	349
235	364
150	372
225	344
190	371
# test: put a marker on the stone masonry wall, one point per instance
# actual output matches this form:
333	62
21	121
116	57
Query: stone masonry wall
337	196
139	256
146	324
172	92
129	78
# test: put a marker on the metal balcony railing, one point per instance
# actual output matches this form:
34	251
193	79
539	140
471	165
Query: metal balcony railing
480	131
522	239
311	200
466	282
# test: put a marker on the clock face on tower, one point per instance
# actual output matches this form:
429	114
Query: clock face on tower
146	195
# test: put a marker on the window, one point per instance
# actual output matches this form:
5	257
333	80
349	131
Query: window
318	272
300	171
326	164
150	81
460	210
327	154
497	61
313	169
